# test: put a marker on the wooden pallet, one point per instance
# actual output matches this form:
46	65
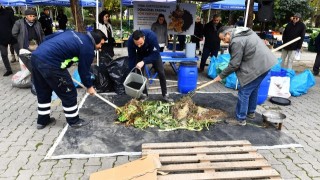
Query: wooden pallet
210	160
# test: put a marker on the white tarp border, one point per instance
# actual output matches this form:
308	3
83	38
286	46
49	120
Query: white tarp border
78	156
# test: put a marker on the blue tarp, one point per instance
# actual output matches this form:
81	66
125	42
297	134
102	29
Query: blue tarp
228	5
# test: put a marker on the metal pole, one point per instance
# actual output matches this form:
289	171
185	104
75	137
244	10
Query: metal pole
247	13
97	16
121	24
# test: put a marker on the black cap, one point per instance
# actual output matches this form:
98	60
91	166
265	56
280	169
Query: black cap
30	12
298	15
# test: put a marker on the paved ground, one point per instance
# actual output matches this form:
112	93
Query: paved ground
23	147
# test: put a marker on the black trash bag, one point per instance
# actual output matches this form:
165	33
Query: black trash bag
101	81
104	58
118	71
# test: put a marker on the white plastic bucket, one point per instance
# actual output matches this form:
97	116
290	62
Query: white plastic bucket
190	50
134	77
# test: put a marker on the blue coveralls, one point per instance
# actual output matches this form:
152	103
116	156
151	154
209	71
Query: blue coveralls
149	53
50	62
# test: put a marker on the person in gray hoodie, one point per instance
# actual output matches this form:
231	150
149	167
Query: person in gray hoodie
251	59
160	28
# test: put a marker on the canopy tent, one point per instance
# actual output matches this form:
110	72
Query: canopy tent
13	2
130	2
228	5
83	3
231	5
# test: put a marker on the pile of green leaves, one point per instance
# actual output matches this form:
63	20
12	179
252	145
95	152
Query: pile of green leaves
157	114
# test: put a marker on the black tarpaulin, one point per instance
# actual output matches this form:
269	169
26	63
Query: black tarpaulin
104	137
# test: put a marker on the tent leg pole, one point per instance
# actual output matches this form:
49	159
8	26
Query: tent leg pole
247	13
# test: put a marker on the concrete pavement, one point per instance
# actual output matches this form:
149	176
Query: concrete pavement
23	147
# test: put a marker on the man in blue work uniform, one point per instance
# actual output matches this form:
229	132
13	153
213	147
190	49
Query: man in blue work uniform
50	62
143	48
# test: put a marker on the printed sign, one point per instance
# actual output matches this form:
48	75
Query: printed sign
179	17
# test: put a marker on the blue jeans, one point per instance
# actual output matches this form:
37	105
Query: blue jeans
247	98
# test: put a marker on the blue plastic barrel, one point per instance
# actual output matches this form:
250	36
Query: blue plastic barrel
264	89
187	77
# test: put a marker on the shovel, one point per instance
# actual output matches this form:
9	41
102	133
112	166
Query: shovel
192	93
96	94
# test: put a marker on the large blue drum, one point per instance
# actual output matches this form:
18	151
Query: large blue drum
188	76
264	89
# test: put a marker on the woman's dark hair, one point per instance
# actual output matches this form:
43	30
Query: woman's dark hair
101	15
161	15
136	35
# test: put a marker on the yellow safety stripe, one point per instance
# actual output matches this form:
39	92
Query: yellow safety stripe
66	62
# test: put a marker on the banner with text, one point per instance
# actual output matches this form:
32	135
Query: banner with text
179	17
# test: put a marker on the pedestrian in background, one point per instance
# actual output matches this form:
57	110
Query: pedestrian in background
251	60
29	34
13	41
294	29
316	64
212	41
198	33
182	42
160	28
46	21
7	21
105	26
240	21
62	20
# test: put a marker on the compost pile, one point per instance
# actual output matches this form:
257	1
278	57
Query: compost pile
183	114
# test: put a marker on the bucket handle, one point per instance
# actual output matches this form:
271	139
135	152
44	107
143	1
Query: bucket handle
140	72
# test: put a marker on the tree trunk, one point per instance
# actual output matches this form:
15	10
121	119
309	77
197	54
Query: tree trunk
250	14
317	21
77	15
232	19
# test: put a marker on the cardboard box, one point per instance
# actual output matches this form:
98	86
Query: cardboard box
144	168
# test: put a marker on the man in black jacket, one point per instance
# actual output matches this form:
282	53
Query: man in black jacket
212	41
316	64
294	29
62	20
198	33
7	21
46	21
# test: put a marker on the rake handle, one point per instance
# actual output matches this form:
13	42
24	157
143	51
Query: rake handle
286	44
206	84
96	94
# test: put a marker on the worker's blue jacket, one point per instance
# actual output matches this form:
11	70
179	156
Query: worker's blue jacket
61	50
149	52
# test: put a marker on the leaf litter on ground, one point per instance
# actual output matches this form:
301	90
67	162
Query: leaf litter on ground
183	114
